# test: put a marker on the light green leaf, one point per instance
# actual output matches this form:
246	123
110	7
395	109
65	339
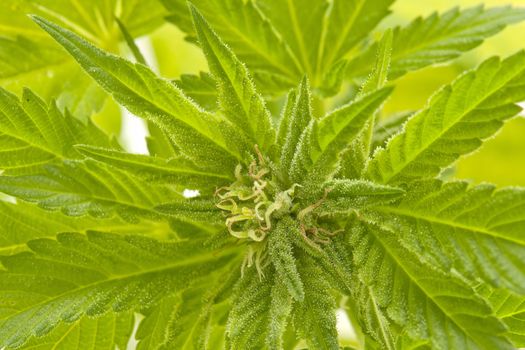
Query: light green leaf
204	138
301	27
29	59
80	188
297	122
239	101
131	43
33	133
477	231
348	23
203	210
337	129
187	327
454	123
511	308
439	38
160	144
202	89
151	333
354	159
286	117
250	35
401	296
104	333
22	222
386	128
175	171
78	275
344	196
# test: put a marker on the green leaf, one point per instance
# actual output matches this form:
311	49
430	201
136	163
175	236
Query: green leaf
246	327
201	88
33	133
79	188
202	210
299	118
280	309
204	138
104	333
238	99
348	23
337	129
454	123
511	308
344	196
131	43
281	252
175	171
151	333
477	231
301	28
286	116
80	275
401	296
29	59
439	38
21	222
314	317
386	128
186	330
354	159
250	35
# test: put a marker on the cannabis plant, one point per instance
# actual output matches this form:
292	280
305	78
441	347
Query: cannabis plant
311	201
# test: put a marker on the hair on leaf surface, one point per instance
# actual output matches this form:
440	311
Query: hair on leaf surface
309	202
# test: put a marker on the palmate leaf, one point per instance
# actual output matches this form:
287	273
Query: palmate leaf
477	231
80	188
78	275
411	299
454	123
438	38
203	137
239	101
33	133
